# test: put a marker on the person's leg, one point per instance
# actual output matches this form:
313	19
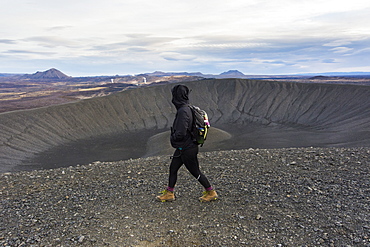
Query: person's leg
175	165
168	194
190	159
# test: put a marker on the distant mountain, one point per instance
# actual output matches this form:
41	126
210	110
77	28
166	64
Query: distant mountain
48	74
320	77
238	74
54	74
7	75
232	73
356	74
227	74
160	73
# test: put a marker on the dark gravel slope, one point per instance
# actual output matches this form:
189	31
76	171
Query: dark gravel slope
276	197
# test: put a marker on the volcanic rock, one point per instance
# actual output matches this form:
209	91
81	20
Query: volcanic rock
322	200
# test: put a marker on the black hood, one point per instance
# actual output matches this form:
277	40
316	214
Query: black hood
180	95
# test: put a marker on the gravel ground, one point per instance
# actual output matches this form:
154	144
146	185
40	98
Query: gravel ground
276	197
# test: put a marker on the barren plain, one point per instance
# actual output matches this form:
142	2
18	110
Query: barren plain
24	93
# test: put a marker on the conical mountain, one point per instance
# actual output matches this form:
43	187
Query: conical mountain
48	74
232	73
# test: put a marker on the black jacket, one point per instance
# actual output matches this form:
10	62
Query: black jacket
181	136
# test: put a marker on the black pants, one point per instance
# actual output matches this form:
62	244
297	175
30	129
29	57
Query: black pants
189	158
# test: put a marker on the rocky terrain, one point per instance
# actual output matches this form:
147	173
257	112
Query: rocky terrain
268	197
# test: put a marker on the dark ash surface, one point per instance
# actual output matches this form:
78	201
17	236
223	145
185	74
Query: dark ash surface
268	197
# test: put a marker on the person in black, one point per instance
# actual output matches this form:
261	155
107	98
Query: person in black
186	147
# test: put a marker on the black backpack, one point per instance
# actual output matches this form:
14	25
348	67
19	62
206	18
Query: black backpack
200	124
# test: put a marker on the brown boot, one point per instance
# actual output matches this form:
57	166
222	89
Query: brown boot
209	196
167	196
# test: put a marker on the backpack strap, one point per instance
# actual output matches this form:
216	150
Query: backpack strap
193	124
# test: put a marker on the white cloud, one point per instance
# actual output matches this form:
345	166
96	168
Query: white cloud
185	34
341	49
337	43
174	56
51	41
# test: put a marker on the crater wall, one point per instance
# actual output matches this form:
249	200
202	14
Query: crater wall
255	113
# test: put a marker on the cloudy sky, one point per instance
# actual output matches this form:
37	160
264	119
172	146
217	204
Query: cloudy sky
95	37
